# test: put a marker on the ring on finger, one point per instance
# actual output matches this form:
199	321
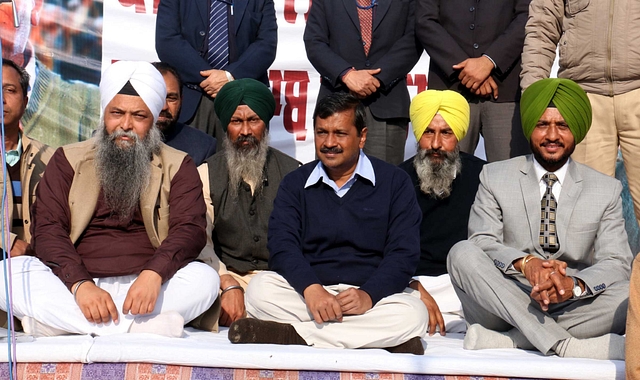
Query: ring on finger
552	273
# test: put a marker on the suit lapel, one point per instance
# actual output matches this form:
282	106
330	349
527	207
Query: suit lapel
239	7
380	11
203	9
571	189
530	187
350	7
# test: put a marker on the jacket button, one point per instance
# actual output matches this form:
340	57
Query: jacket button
252	213
472	26
202	33
472	9
26	221
475	46
256	238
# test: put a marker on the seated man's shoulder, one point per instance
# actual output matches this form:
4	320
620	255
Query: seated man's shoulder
285	161
384	169
508	167
407	166
597	181
35	147
471	160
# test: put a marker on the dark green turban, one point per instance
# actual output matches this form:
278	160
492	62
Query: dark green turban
569	98
244	91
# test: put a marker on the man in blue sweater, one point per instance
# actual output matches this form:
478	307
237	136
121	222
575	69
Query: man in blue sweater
344	243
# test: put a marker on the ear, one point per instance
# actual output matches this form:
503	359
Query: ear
363	137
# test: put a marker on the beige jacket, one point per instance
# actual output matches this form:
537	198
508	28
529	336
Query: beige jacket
154	202
34	159
598	43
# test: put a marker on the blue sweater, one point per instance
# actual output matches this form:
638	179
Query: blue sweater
369	238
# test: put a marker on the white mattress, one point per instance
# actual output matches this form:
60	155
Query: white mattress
443	356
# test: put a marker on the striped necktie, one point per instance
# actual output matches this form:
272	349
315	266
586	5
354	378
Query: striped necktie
218	46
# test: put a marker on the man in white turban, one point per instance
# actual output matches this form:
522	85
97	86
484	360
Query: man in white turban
117	224
445	181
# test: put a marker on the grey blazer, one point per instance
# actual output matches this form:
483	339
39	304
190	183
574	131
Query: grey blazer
505	221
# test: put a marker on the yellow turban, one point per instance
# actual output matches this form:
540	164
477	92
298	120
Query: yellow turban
452	106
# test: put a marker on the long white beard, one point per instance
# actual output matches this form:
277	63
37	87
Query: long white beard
436	177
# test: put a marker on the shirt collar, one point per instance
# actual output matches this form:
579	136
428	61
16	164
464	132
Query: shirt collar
560	173
364	170
13	156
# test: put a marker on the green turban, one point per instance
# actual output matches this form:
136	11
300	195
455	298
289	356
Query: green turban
244	91
569	98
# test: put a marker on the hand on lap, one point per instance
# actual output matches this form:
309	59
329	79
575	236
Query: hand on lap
96	304
231	302
435	316
143	293
354	301
323	305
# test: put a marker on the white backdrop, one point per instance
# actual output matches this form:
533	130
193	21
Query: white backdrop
128	34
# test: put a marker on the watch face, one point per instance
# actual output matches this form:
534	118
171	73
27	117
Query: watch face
577	292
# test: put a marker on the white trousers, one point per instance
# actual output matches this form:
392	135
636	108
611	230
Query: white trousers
38	293
393	320
442	291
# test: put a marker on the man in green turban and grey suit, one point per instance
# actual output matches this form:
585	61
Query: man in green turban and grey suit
547	262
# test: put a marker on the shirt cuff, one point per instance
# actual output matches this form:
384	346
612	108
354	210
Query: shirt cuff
492	61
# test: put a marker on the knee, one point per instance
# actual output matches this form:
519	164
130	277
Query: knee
461	260
261	290
205	280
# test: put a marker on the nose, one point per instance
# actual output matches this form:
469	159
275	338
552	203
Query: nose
552	132
436	143
166	105
127	123
330	141
245	129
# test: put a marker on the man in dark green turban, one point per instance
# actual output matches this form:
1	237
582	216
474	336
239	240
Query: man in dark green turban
547	262
243	180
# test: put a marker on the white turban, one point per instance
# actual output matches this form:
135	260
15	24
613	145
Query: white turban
145	79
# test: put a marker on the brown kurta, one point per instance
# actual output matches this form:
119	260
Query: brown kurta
110	248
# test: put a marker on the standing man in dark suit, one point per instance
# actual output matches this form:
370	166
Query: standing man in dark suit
238	41
367	48
475	48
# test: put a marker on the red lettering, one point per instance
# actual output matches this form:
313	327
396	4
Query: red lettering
419	81
290	14
293	103
140	8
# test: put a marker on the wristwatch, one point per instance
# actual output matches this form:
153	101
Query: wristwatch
577	291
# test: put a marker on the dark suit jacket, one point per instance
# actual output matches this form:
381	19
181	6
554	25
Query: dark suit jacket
181	40
333	42
454	30
192	141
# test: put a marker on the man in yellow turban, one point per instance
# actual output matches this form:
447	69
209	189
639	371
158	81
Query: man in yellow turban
445	181
547	262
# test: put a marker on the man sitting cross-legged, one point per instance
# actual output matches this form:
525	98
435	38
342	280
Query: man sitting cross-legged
117	223
445	181
344	243
243	180
547	261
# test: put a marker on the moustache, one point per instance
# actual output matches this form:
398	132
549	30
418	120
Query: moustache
556	142
166	114
334	150
252	142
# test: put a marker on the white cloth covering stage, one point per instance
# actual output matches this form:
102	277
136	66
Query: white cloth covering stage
443	356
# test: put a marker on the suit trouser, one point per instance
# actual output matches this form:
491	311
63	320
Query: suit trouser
393	320
616	121
500	126
38	293
500	302
386	138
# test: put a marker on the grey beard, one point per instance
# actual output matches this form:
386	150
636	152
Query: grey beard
436	177
124	172
246	164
